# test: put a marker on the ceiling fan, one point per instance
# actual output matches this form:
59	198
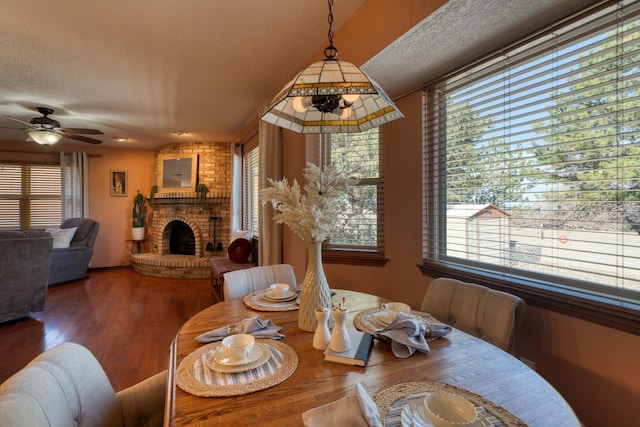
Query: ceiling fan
45	126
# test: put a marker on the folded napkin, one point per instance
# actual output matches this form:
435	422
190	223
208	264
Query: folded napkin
408	335
252	325
355	410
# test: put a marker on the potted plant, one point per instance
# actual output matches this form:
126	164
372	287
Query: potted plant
201	190
138	213
152	194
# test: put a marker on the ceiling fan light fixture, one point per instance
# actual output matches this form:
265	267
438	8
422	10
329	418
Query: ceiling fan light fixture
45	137
331	96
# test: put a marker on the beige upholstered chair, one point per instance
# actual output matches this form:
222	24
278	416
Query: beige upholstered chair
66	386
243	282
477	310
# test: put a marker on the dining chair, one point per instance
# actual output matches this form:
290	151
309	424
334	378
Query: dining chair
66	386
243	282
490	315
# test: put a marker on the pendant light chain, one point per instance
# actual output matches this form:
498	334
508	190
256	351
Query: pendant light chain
330	52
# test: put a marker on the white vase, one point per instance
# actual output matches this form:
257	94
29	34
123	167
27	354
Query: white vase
315	289
137	233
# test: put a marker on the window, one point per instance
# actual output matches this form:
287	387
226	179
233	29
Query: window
532	168
29	196
251	201
359	236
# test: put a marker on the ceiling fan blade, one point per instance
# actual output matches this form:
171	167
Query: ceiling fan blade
17	120
83	139
82	131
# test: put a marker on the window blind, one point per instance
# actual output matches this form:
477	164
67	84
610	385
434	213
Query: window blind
29	196
251	200
532	161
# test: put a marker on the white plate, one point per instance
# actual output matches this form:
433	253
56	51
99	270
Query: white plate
264	358
383	318
220	359
287	297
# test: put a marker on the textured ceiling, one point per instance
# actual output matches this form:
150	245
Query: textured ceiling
143	69
457	33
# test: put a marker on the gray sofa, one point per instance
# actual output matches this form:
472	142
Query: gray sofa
71	263
25	258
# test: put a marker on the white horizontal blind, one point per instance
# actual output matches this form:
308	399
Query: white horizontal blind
29	196
360	226
251	201
535	170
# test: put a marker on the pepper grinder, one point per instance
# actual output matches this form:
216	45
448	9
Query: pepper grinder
322	336
340	340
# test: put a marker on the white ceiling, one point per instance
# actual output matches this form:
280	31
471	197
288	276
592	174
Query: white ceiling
143	69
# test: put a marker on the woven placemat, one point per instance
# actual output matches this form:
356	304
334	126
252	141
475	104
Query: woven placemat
365	321
391	400
256	301
195	377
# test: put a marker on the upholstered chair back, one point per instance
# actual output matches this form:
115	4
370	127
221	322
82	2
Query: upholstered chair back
66	386
477	310
243	282
85	234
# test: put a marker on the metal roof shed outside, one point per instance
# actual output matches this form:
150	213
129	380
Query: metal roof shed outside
478	232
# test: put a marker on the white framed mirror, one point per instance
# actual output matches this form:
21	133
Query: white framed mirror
178	172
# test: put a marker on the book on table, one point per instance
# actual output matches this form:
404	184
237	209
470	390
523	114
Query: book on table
357	355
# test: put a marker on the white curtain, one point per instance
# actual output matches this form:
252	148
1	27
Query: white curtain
236	188
74	177
270	242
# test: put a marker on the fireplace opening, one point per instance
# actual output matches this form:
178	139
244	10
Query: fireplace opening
182	241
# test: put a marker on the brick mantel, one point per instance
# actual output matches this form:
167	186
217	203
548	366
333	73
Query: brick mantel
193	209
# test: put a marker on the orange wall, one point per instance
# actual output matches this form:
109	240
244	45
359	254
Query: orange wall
114	213
594	367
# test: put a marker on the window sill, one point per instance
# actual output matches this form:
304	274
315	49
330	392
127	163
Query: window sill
336	256
572	304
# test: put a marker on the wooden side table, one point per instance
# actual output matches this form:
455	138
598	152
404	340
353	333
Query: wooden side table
219	266
139	245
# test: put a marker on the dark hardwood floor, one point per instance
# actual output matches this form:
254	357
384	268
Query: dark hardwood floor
127	320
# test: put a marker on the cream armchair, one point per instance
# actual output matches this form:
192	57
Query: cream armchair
243	282
66	386
477	310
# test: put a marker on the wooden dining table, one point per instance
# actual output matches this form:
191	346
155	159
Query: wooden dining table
458	359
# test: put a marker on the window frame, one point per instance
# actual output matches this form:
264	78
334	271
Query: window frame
360	255
584	303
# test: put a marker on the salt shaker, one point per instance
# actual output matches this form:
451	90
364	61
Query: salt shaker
322	336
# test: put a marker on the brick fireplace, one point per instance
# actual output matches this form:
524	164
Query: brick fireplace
187	229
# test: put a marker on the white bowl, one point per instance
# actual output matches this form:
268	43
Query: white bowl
450	410
278	290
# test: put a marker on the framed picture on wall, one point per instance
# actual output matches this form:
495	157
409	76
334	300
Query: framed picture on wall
118	183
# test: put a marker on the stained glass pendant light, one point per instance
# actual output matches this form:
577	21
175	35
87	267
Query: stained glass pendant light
331	96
